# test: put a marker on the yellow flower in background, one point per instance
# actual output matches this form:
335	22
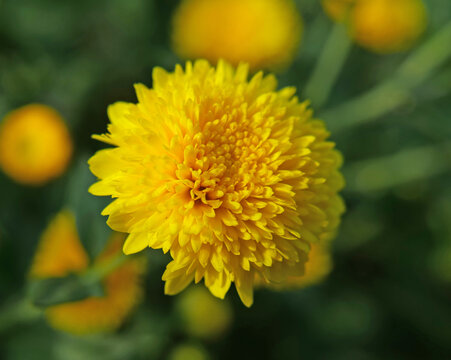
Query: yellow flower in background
203	315
35	144
233	177
318	266
60	253
338	9
382	26
188	352
264	33
387	26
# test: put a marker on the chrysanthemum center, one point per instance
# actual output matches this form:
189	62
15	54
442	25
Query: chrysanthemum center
227	156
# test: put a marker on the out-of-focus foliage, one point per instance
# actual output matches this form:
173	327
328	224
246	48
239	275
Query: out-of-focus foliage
389	292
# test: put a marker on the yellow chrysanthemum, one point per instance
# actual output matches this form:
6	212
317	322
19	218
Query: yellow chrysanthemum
387	26
35	145
203	315
317	267
231	176
264	33
60	253
383	26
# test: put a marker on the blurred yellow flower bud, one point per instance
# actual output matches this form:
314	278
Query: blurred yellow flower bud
189	352
35	145
383	26
387	25
202	314
60	253
264	33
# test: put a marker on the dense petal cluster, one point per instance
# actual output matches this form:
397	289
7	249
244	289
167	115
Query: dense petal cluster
60	253
264	33
383	26
231	176
35	145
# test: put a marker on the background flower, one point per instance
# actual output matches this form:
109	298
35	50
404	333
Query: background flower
60	253
387	26
189	352
264	33
382	26
35	145
203	315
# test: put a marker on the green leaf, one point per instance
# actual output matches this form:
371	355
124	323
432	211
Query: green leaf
53	291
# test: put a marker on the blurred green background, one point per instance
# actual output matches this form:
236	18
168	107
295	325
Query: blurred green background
389	293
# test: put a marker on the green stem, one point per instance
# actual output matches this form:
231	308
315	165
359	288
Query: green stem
329	65
396	91
431	55
388	171
441	82
100	271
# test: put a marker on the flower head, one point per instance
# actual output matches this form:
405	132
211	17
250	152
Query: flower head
60	253
35	145
264	33
231	176
387	26
383	26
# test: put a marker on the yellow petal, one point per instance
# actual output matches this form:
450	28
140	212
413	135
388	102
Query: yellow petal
174	286
135	243
243	284
220	285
